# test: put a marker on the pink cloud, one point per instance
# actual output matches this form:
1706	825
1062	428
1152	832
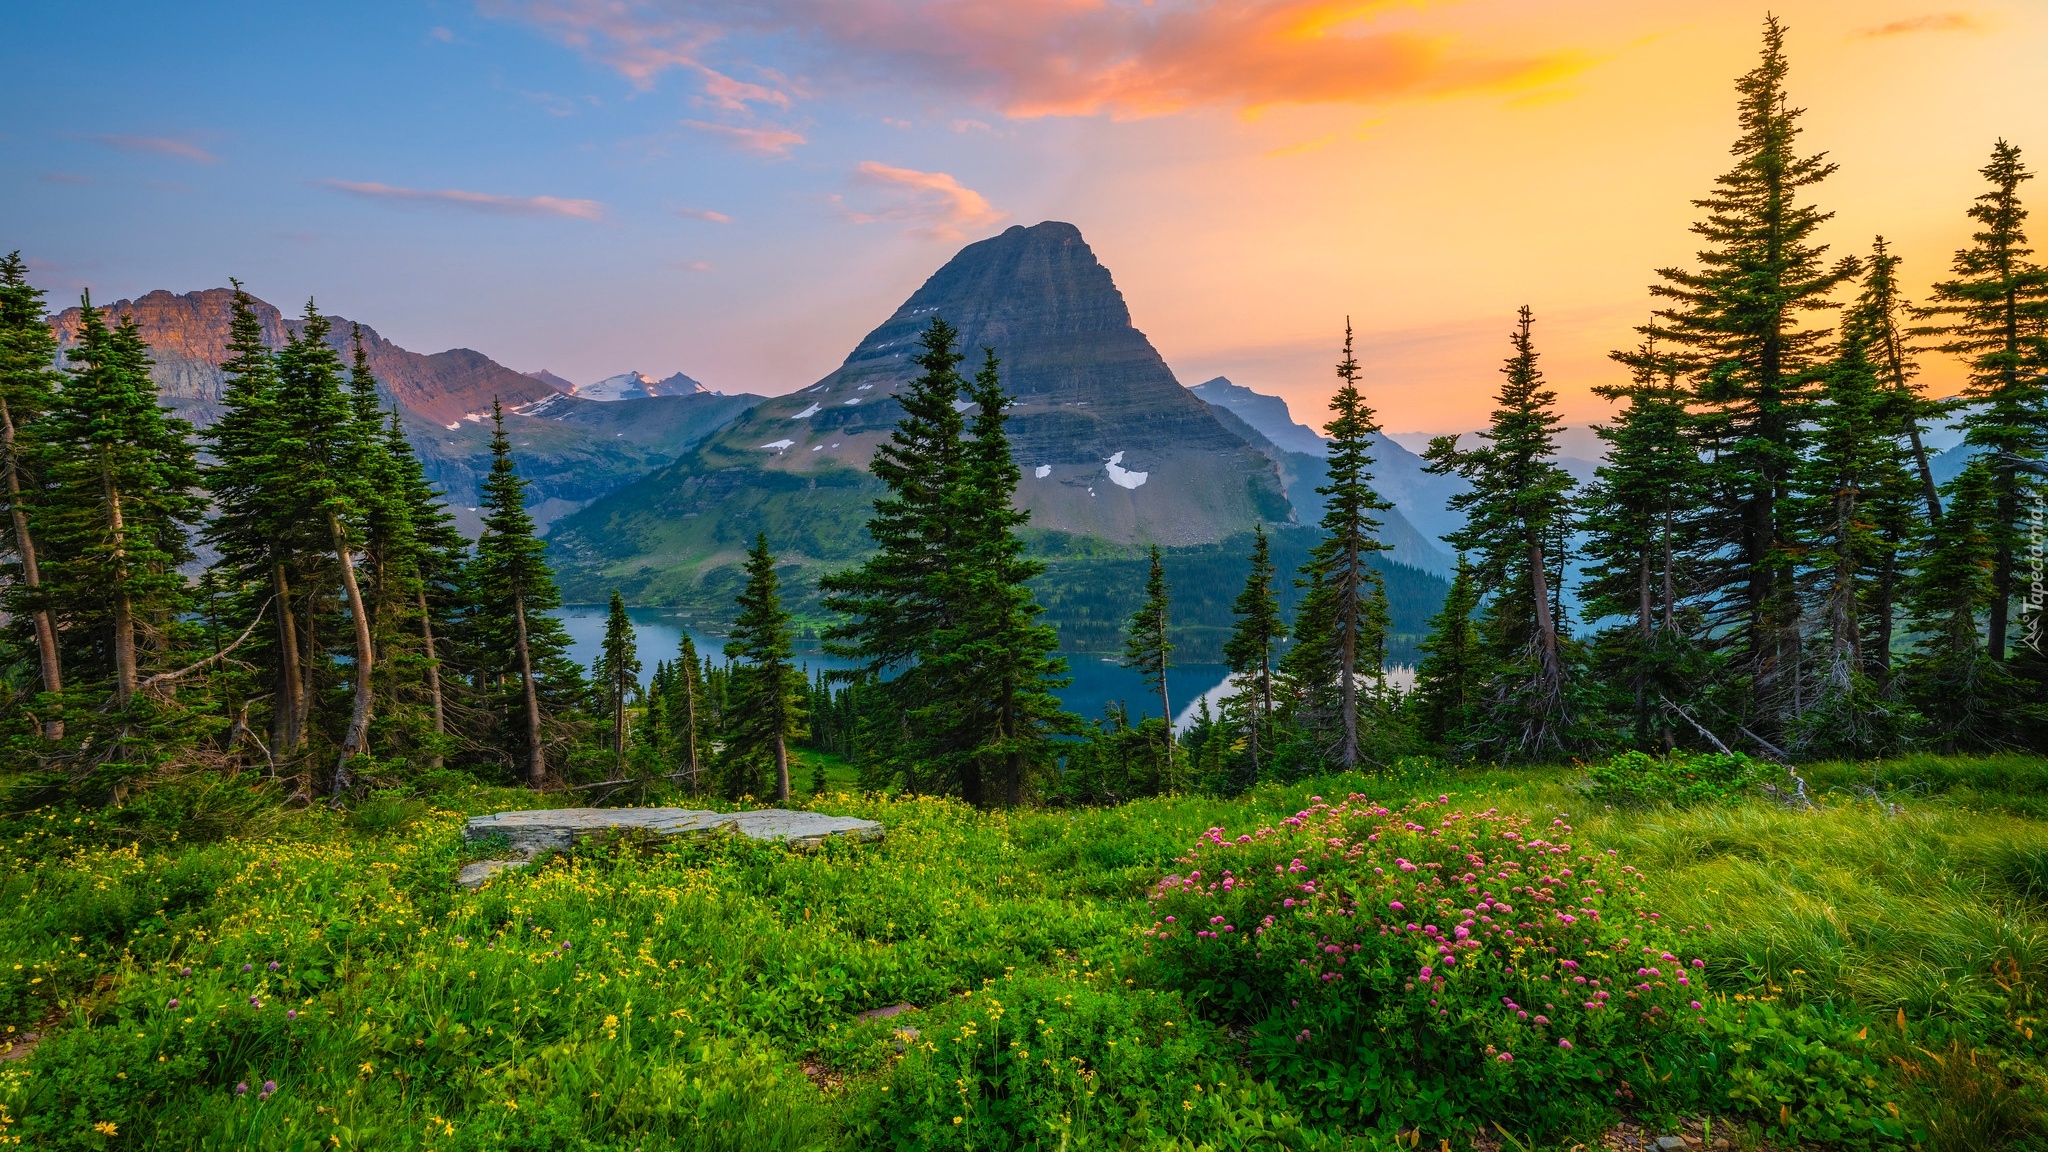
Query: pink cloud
936	205
1931	22
769	141
1030	58
159	146
473	201
704	214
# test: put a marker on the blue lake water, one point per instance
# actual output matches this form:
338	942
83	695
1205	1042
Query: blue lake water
1098	681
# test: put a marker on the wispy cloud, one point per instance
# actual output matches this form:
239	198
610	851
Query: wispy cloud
704	214
471	201
158	146
1931	22
768	141
935	204
66	178
1032	58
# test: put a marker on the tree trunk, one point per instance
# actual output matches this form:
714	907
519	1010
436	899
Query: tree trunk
31	577
1347	664
690	722
124	609
781	769
357	741
1644	612
1887	581
1546	625
1165	706
1670	580
536	764
433	674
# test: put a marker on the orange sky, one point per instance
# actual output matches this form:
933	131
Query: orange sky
742	191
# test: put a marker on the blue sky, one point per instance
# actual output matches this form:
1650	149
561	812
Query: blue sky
741	190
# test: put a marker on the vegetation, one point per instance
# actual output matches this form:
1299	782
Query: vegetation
1878	951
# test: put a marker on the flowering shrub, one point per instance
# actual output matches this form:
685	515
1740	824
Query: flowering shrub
1438	967
1638	778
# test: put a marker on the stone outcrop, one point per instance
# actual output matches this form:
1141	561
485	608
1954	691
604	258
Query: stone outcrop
529	833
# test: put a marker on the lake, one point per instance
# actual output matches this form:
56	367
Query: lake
1098	679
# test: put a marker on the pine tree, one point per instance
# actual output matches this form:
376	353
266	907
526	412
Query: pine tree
1249	652
686	712
894	604
768	689
1735	326
510	633
1149	652
256	528
617	674
28	382
1997	313
1639	518
120	497
429	562
1454	667
1340	628
1949	677
1518	504
324	436
1854	458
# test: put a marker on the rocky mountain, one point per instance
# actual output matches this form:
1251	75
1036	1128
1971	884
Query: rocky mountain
1114	451
572	450
1422	499
625	386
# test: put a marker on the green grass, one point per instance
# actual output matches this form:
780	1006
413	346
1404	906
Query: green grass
708	995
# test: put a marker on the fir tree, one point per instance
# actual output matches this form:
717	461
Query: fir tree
1257	631
1735	326
1949	677
1149	652
686	711
325	439
617	674
1340	628
256	530
1518	504
1639	518
1454	666
1996	310
429	563
120	497
510	632
768	689
28	382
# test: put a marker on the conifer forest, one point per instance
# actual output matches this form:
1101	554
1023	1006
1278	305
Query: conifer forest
1713	808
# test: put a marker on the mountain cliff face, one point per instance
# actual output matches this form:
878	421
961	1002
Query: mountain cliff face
1112	448
570	454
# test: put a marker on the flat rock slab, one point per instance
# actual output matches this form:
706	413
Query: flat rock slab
532	832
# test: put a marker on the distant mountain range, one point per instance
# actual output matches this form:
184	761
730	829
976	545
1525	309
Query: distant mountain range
625	386
572	450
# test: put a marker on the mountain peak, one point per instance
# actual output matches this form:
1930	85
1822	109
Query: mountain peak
636	385
1268	414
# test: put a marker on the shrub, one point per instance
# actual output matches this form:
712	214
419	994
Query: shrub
1681	780
1444	969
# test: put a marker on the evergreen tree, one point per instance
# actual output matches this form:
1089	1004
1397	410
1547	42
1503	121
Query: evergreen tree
1149	652
429	562
516	644
1735	327
1996	310
617	674
1249	651
686	712
120	496
1854	458
1518	504
768	689
256	528
28	382
1949	677
1454	667
1639	518
1340	628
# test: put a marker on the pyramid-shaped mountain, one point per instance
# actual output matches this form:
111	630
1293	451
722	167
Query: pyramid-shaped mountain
1112	448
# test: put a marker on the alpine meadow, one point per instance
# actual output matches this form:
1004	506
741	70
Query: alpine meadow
997	744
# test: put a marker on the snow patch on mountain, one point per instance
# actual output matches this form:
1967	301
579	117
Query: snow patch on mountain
637	386
1121	476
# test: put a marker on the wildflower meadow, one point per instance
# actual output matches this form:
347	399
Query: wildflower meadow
1422	959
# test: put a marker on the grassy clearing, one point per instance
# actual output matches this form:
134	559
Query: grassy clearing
706	996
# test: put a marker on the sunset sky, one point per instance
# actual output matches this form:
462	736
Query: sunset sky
741	190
